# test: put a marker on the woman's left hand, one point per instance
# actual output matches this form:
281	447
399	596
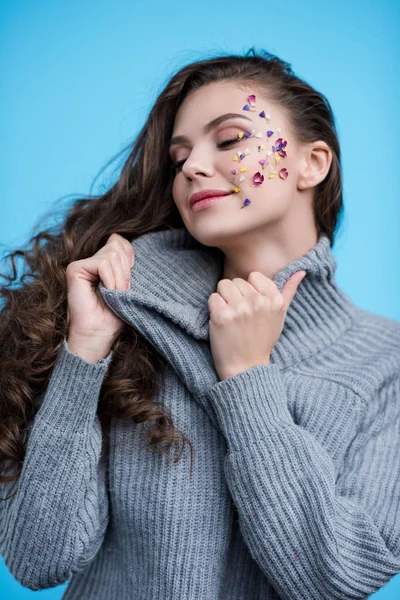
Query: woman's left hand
246	320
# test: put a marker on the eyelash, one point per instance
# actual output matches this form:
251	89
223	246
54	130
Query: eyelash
221	145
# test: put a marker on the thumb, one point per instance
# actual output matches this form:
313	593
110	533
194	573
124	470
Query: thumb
290	288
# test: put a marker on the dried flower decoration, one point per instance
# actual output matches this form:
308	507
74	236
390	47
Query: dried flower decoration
280	145
246	203
257	179
251	104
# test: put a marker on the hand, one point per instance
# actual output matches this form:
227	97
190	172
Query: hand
246	320
92	325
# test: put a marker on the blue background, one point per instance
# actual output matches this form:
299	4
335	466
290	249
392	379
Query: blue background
78	79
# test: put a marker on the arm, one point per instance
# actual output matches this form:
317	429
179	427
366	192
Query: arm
313	537
55	522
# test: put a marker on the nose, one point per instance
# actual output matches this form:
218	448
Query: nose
196	166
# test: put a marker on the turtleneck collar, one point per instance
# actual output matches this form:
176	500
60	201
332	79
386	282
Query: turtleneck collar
174	275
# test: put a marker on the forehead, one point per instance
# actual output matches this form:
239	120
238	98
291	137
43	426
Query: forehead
211	100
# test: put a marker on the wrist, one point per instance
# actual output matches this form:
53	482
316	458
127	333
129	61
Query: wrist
232	372
91	349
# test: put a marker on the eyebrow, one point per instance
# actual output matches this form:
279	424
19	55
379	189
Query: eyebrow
182	139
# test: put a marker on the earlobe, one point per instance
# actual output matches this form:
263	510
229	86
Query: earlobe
316	167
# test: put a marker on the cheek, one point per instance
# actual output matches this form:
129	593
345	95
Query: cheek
179	191
261	168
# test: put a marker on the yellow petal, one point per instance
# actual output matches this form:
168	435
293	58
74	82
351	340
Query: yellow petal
271	175
277	158
236	189
262	147
242	169
240	134
235	158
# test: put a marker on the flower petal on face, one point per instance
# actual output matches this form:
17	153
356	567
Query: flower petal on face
283	173
242	178
242	169
269	133
258	178
258	135
272	175
252	100
262	162
253	131
269	153
246	107
247	134
282	153
262	114
247	202
277	159
241	156
236	190
240	134
247	151
235	158
233	171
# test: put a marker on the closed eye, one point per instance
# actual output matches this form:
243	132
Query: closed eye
220	145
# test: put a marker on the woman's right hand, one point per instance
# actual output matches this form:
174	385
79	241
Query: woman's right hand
92	325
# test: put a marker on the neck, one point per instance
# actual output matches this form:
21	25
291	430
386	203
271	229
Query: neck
174	276
266	254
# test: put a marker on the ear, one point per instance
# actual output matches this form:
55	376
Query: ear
316	164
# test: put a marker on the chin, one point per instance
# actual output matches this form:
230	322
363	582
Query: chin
216	234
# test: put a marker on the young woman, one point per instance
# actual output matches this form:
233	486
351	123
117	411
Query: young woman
171	312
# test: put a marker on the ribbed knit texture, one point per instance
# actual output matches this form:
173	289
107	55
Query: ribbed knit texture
295	487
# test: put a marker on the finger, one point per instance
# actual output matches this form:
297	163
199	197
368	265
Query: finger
106	272
215	302
229	292
263	284
111	249
116	258
129	251
126	265
245	288
290	288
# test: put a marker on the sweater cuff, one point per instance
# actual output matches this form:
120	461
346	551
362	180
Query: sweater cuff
250	404
71	398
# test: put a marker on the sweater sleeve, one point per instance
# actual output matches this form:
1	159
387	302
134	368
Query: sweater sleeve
55	520
312	536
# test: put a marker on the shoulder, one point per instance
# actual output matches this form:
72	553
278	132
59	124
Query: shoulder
364	358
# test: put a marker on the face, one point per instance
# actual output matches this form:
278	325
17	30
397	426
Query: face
251	155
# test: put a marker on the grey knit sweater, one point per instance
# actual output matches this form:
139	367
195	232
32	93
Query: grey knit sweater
295	488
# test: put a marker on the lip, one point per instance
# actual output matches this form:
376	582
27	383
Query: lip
207	194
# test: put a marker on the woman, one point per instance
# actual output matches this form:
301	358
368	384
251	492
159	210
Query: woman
285	393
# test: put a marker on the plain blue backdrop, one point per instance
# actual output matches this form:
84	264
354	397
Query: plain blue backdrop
78	79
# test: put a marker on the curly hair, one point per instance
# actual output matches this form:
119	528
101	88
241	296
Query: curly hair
34	319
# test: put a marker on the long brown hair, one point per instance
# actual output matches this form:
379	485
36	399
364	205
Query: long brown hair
33	319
